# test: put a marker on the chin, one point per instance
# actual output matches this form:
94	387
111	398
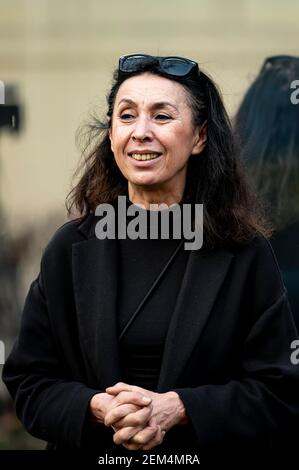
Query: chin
144	181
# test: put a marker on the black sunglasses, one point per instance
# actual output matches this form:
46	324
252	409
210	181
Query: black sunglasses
171	65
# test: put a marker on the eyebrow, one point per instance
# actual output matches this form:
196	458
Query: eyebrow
157	105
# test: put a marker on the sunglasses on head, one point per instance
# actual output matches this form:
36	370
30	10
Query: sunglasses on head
170	65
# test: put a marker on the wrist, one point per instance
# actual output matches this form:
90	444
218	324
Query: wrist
98	407
180	410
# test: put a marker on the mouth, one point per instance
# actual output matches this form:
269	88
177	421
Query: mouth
144	156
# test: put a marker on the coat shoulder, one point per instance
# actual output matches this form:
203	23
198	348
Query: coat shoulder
256	248
60	244
258	259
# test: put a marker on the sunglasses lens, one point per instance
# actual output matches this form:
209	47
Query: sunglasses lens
132	63
178	67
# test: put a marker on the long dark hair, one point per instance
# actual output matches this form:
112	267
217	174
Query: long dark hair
231	213
267	123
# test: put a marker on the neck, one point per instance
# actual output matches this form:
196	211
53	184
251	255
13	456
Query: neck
146	197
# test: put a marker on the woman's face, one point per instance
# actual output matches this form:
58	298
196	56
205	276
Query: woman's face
152	134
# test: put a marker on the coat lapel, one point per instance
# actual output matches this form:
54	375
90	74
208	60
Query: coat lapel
95	290
205	273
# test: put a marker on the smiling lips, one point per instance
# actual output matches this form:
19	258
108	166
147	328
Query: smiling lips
144	156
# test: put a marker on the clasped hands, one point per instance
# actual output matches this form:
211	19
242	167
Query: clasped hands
140	418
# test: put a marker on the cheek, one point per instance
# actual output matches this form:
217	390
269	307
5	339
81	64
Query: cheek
179	132
118	139
171	137
180	140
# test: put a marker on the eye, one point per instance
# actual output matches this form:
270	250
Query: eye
126	116
162	117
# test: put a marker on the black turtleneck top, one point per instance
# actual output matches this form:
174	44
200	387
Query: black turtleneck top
140	262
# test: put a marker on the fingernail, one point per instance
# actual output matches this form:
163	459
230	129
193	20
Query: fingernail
146	399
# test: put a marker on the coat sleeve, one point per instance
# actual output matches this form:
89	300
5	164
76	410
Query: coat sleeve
259	406
51	406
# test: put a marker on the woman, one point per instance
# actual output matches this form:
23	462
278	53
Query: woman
268	125
130	344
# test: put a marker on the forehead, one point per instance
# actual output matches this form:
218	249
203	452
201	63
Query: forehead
148	88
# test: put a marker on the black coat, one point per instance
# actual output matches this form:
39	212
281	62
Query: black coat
285	244
227	351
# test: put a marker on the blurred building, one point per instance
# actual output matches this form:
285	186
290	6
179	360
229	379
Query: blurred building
60	56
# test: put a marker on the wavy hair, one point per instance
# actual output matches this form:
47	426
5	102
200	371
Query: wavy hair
217	179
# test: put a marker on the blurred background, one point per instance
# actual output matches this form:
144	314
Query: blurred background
56	63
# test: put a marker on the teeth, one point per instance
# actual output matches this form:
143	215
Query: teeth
144	156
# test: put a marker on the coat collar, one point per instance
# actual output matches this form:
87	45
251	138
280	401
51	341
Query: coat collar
95	264
204	276
86	226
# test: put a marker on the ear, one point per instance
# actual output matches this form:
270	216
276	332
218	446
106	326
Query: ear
200	139
110	137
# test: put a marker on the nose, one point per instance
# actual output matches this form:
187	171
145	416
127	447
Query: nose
142	129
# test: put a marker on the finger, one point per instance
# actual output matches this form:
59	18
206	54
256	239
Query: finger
136	398
125	434
144	436
119	412
138	418
123	387
118	387
134	442
157	440
130	446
